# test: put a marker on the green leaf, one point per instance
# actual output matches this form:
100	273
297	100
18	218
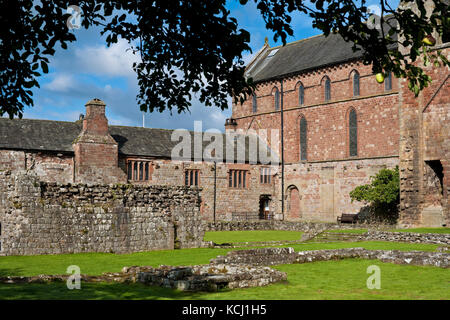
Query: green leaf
44	67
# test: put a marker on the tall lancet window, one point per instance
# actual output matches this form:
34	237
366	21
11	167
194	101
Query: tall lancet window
303	139
388	82
353	133
301	95
277	99
327	89
356	84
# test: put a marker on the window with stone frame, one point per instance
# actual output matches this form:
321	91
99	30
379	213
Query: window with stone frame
303	139
388	82
265	176
254	104
353	133
277	99
191	177
237	178
356	84
327	89
138	170
301	95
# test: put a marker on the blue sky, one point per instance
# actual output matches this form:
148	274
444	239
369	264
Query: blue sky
88	69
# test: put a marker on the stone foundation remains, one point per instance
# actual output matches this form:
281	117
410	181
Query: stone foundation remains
192	278
276	256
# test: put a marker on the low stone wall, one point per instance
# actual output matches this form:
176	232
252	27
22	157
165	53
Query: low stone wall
435	238
276	256
51	218
285	226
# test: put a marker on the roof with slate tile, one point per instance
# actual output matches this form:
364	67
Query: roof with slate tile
58	136
304	55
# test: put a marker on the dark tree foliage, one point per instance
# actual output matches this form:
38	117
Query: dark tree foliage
195	47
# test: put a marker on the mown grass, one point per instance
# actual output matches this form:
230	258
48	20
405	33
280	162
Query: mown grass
321	280
424	230
98	263
251	236
344	279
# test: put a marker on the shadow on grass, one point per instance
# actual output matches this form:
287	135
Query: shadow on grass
6	272
92	291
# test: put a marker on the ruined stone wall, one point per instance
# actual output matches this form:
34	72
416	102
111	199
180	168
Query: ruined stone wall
50	218
425	150
276	256
50	167
12	160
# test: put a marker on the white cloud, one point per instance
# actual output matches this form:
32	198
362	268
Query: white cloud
62	82
116	60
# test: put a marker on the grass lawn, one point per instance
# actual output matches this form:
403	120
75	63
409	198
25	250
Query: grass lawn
424	230
318	280
98	263
251	236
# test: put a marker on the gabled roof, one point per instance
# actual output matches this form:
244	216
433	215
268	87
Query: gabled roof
310	53
304	55
58	136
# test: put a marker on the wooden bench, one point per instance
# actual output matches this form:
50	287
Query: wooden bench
347	217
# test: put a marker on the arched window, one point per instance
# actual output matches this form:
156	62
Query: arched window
353	133
356	84
327	89
303	138
277	99
254	105
301	95
388	82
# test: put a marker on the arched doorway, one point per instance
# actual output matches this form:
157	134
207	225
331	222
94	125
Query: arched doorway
293	208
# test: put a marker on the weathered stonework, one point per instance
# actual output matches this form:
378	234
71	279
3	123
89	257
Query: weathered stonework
49	218
425	150
184	278
434	238
275	256
210	277
304	226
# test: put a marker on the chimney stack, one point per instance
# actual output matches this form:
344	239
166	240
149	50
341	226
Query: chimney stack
96	152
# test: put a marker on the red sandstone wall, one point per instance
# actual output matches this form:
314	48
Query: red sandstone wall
377	114
324	188
425	135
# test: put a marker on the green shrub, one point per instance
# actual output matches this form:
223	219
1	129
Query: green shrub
382	196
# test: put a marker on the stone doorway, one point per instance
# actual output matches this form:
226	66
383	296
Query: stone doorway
432	212
293	207
264	207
